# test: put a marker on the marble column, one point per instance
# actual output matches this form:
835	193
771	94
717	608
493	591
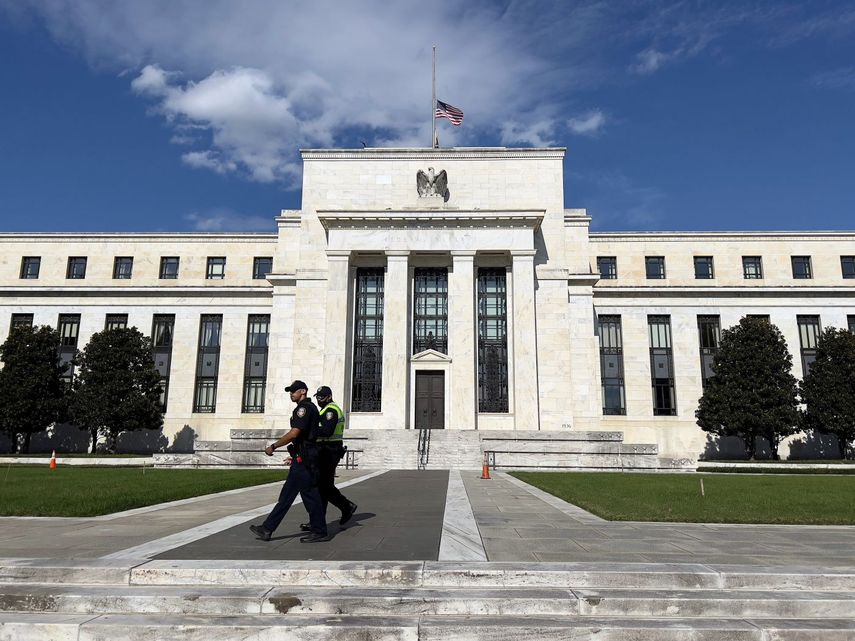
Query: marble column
526	397
337	335
396	357
462	340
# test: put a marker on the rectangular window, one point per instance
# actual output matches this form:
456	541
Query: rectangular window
208	363
21	320
162	328
801	267
492	340
116	321
607	266
847	266
662	366
704	267
69	329
30	266
809	330
655	267
123	267
368	341
261	266
752	267
216	268
851	320
76	267
709	336
430	310
169	267
611	365
255	363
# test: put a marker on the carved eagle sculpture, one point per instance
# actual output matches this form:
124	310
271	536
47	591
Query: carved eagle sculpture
431	184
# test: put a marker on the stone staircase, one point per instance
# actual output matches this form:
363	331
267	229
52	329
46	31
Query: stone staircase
449	449
412	601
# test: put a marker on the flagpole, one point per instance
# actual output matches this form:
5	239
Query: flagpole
433	104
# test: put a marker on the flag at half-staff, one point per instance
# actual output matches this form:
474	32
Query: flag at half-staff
452	114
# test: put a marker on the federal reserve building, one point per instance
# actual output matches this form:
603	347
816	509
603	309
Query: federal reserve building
441	293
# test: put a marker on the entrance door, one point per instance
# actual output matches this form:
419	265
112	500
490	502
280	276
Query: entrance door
430	400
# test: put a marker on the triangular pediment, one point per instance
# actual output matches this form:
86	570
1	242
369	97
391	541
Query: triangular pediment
430	356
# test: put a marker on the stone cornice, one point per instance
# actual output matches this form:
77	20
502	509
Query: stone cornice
104	237
415	153
705	236
339	219
725	292
147	291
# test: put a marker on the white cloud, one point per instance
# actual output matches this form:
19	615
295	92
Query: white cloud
843	78
538	133
223	219
587	124
649	61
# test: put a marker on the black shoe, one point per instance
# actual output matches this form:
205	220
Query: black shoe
314	537
261	532
305	527
347	514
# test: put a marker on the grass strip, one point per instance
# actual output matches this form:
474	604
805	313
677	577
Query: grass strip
780	499
91	491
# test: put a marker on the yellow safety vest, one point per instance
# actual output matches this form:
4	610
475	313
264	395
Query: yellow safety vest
338	434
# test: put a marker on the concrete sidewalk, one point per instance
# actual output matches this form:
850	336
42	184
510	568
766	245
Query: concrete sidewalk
404	515
520	523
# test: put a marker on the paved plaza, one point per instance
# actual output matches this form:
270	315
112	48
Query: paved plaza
421	515
429	556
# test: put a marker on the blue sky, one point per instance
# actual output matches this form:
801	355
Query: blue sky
178	116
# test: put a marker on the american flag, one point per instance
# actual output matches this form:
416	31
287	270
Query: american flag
444	110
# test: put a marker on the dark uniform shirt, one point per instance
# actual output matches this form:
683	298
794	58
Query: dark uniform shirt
328	423
305	418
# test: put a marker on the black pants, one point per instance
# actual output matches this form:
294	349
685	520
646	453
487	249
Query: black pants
300	481
329	457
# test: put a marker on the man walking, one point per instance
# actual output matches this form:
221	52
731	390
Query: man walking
330	451
303	474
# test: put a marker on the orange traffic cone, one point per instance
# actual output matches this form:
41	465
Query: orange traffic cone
485	470
53	460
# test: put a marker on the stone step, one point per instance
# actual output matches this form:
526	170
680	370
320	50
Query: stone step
428	574
438	574
355	601
113	627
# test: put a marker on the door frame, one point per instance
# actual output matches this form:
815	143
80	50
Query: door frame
430	360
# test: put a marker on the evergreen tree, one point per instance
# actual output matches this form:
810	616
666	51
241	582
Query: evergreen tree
117	387
828	391
32	393
753	392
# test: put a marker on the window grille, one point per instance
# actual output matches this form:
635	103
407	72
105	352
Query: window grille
655	267
430	310
492	340
162	329
611	365
662	366
809	330
368	341
709	337
30	266
208	363
255	363
607	266
752	267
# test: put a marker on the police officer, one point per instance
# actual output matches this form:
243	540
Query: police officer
303	475
330	451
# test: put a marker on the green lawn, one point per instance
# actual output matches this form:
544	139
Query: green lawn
802	499
89	491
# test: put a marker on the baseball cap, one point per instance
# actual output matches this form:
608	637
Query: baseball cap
298	384
323	391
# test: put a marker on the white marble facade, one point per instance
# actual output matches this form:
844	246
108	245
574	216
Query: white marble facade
505	209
